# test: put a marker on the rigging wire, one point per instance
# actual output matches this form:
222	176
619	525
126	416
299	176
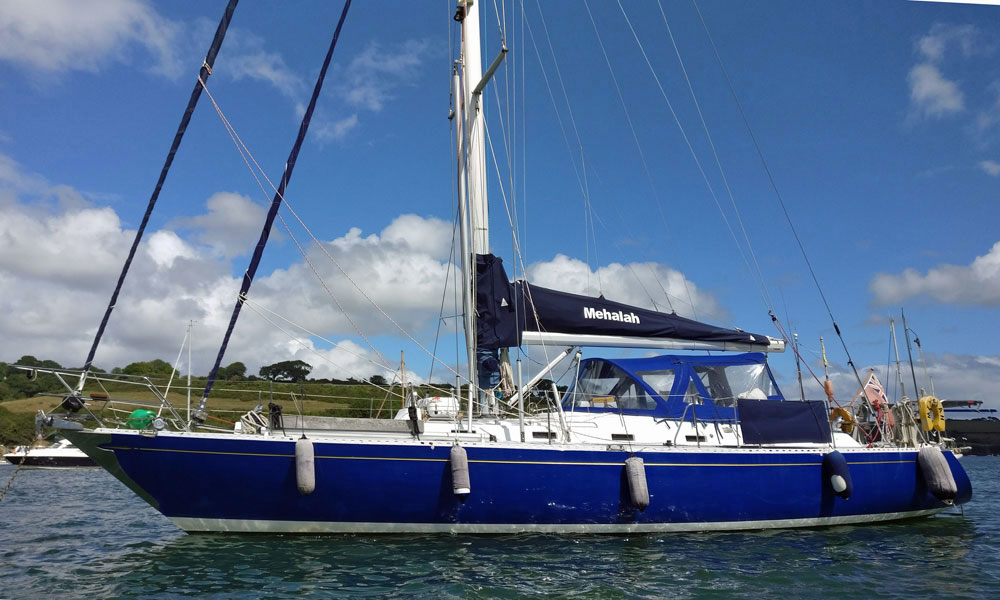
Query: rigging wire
562	127
684	135
248	157
251	271
777	193
203	74
591	215
642	155
725	180
322	247
589	221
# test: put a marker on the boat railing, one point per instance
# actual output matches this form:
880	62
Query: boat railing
75	398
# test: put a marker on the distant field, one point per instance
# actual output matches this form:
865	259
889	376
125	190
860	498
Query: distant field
228	400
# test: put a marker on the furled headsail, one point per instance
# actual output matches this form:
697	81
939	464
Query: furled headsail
516	313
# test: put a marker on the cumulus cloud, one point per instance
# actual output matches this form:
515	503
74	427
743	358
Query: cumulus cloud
63	35
648	284
60	263
346	359
975	284
402	270
230	226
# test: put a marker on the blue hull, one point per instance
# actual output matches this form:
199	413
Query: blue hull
235	483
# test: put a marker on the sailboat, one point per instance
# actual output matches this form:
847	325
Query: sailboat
673	442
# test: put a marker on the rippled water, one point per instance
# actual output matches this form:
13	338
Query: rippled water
80	533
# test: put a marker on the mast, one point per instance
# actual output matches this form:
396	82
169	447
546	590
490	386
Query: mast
472	67
468	323
899	372
909	352
471	119
923	363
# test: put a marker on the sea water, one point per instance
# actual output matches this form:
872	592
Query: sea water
80	533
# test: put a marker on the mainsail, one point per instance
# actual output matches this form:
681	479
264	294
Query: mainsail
515	313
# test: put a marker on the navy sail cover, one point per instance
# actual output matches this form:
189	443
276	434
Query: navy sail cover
506	309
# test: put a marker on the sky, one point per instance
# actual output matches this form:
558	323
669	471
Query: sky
878	122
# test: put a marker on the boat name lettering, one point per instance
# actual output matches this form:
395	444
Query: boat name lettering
607	315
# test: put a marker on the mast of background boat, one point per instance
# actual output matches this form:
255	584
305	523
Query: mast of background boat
923	363
899	371
475	168
909	353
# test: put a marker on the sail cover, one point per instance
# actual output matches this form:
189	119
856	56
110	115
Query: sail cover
506	310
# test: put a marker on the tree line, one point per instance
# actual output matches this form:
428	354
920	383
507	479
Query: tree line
16	383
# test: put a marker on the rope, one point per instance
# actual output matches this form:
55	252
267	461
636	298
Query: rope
204	72
642	157
718	162
684	135
248	157
275	203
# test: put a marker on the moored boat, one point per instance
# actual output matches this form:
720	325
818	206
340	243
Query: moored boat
60	455
665	443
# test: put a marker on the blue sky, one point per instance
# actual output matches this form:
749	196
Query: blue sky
879	122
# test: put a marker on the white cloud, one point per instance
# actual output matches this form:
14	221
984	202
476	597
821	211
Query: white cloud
366	83
933	95
943	36
990	167
345	359
230	226
60	262
649	285
975	284
326	131
269	67
373	74
64	35
402	270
